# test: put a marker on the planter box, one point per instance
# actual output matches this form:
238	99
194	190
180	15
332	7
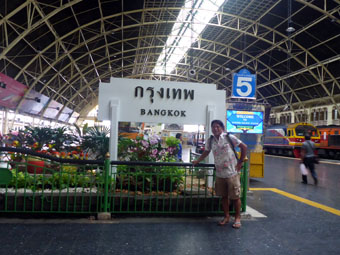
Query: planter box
35	166
51	203
118	203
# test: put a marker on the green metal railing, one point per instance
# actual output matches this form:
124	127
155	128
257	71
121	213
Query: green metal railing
194	156
88	186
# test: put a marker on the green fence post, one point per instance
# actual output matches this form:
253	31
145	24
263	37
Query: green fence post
244	184
106	181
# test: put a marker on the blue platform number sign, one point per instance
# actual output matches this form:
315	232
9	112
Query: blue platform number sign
244	84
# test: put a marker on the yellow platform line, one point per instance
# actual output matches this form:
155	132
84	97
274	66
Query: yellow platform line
300	199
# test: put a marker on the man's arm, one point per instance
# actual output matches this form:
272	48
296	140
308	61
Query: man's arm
243	148
203	156
302	153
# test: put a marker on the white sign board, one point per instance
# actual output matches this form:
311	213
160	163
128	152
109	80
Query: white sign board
161	101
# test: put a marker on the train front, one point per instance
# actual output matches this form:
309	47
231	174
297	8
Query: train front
300	131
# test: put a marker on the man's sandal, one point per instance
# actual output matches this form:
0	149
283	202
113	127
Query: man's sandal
237	224
223	222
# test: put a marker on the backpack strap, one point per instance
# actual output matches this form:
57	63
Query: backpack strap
210	141
232	145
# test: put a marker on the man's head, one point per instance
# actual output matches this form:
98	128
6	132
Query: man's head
307	137
179	136
217	127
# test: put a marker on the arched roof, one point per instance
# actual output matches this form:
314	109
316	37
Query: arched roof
63	49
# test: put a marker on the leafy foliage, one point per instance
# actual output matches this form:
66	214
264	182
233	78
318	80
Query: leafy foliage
58	180
96	139
138	178
39	138
61	139
172	141
146	150
141	178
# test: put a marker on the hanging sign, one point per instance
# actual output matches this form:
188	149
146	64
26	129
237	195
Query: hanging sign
11	91
244	85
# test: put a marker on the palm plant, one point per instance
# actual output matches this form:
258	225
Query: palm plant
96	139
37	137
61	138
81	131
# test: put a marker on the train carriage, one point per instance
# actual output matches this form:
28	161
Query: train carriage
329	141
288	139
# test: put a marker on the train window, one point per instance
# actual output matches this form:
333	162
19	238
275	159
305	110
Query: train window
322	116
300	131
289	133
304	130
335	114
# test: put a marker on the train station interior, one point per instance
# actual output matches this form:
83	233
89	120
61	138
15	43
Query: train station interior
274	61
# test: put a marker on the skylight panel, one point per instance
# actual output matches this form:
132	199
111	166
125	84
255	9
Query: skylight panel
185	31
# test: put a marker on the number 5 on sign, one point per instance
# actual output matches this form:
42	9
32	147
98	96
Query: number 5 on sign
244	84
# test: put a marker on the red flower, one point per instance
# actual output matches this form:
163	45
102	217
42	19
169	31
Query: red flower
56	153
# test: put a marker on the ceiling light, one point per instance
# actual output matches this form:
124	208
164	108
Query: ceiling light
192	72
290	29
36	99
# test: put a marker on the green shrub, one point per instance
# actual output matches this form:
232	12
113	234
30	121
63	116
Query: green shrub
172	141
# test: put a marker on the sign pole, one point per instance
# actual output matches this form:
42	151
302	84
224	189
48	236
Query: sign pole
114	110
209	118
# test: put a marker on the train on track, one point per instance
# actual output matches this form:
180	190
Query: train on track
329	141
287	139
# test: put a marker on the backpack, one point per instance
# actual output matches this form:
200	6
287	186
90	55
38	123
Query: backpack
230	142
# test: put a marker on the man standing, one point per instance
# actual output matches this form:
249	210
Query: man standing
228	169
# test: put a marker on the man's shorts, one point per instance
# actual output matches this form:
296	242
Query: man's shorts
228	187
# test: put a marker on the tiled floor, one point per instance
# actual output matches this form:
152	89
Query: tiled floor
292	226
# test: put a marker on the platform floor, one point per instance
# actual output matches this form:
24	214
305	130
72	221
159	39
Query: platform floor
297	219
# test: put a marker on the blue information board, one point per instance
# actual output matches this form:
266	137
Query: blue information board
244	85
244	122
